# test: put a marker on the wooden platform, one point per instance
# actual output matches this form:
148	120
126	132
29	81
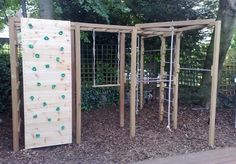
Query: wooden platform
219	156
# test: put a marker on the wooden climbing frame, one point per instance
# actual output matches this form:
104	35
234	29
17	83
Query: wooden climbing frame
145	31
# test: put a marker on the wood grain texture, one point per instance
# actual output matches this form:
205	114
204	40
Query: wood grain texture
46	58
14	86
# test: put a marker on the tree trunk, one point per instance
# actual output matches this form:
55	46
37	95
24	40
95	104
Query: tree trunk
23	7
45	9
227	15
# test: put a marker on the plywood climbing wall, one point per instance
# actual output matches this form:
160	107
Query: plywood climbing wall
46	55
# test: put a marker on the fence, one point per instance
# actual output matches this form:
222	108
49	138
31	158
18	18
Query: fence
106	62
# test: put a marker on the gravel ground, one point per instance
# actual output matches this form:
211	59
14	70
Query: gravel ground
103	141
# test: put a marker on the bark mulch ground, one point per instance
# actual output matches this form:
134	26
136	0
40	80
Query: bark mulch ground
103	141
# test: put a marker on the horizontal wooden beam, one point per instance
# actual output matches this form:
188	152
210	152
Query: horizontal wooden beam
194	27
177	23
102	26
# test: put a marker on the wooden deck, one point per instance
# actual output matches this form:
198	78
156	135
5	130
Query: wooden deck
219	156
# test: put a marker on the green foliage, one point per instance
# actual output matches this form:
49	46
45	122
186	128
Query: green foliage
94	98
7	8
5	81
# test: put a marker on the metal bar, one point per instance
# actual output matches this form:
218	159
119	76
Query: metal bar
195	69
107	85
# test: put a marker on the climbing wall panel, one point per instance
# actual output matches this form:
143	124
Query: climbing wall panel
46	58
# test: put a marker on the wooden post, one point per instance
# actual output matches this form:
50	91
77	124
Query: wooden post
78	84
162	84
176	81
73	71
122	79
214	74
133	82
15	85
141	72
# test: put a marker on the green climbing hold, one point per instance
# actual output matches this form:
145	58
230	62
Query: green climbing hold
38	84
53	86
49	119
63	96
35	116
37	55
31	46
37	135
58	109
34	69
62	49
45	104
47	65
58	59
32	98
62	127
63	75
30	25
46	38
60	32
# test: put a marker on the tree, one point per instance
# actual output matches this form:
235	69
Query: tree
227	15
46	9
7	8
23	7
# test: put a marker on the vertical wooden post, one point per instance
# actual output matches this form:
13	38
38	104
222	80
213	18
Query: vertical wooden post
78	83
73	71
141	72
133	81
122	79
14	85
162	84
176	81
214	74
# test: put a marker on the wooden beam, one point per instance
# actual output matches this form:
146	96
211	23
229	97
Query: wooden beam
122	79
14	80
133	82
194	27
176	81
162	84
101	26
214	72
141	72
78	84
177	23
158	29
73	71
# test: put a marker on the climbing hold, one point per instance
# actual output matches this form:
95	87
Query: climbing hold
46	38
62	127
63	75
53	86
49	119
38	84
32	98
47	65
37	55
58	59
37	135
62	49
45	104
58	109
34	69
63	96
31	46
35	116
30	25
60	32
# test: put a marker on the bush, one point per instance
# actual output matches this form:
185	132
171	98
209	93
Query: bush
94	98
5	82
